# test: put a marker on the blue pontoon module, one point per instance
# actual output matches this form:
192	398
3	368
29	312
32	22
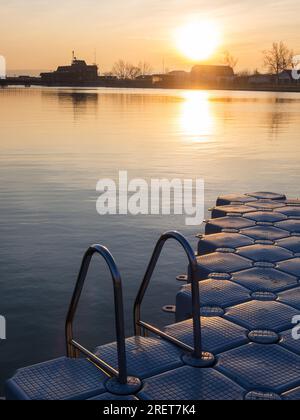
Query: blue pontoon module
243	280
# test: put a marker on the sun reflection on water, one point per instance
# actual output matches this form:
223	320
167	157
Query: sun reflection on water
197	120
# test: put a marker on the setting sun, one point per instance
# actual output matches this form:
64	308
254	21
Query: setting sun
198	40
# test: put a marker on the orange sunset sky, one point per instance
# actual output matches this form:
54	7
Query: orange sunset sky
41	34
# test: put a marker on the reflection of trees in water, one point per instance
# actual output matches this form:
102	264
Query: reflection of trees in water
84	102
279	111
276	121
280	116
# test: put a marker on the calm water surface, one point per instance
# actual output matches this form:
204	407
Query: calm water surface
54	147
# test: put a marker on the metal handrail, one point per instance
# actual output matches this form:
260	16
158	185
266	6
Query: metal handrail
73	347
139	324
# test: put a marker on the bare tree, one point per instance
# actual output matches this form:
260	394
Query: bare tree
124	70
133	71
278	58
120	69
230	60
145	68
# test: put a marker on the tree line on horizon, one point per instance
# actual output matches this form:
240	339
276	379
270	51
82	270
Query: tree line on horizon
277	59
124	70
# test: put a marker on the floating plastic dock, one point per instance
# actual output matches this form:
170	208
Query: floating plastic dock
244	280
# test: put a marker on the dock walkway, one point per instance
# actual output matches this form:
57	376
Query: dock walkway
248	272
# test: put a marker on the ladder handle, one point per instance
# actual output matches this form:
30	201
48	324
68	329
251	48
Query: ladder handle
119	307
194	285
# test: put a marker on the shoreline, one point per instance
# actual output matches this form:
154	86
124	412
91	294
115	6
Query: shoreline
15	82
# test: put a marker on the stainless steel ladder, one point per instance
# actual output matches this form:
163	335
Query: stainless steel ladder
195	356
73	347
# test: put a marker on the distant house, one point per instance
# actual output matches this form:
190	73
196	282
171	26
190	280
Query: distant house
178	74
174	79
260	79
210	73
286	77
160	78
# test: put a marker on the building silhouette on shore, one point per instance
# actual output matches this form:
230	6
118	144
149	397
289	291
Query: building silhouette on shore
78	72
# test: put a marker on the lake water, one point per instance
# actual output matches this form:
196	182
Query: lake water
55	144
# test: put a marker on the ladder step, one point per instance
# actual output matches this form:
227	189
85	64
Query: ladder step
59	379
218	334
221	262
187	383
145	356
210	243
227	199
229	224
213	293
258	367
